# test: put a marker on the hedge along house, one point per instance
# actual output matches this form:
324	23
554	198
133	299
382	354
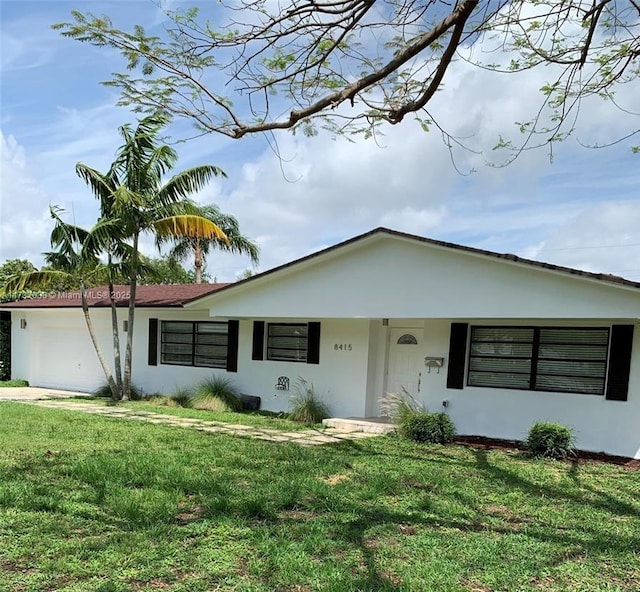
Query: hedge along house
496	341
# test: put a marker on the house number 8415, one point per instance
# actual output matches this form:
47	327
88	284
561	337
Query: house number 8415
343	346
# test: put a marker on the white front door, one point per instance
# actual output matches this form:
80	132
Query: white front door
405	361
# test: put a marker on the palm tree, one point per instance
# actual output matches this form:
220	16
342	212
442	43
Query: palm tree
200	247
133	200
74	262
133	194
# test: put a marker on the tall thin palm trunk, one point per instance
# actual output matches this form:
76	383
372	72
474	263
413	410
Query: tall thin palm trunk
92	334
198	261
126	386
115	333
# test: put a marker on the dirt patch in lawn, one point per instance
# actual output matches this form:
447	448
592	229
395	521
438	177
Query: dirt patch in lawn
482	443
294	514
335	479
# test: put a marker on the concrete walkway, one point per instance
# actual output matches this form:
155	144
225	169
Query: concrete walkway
34	393
310	437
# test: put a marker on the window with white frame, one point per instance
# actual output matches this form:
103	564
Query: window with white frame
561	359
186	343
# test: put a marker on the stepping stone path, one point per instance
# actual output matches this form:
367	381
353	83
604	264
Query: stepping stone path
311	437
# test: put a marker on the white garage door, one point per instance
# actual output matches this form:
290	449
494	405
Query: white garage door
64	358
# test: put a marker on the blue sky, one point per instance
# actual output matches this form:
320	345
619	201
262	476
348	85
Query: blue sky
582	210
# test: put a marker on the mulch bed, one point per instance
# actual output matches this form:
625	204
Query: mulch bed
481	443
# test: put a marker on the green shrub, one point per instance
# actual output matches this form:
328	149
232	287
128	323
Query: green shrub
435	428
414	422
550	440
182	397
305	405
104	391
216	394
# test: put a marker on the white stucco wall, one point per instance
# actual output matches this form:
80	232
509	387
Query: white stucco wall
54	350
390	277
340	379
20	340
599	424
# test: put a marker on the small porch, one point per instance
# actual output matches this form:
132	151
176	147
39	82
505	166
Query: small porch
370	425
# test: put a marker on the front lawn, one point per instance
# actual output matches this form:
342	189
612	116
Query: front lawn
101	504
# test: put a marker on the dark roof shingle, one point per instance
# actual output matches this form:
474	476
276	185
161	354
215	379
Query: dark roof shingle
161	295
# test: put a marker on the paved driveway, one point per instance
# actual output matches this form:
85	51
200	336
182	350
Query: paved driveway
32	393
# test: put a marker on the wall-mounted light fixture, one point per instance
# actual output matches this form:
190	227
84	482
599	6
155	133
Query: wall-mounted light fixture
23	323
385	322
125	325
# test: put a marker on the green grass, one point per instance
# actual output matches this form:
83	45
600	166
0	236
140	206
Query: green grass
101	504
13	383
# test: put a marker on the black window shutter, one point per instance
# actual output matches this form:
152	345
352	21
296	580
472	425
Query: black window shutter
232	346
619	362
258	341
457	355
153	342
313	343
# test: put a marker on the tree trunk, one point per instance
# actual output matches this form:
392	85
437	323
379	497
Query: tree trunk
126	385
105	367
198	261
116	333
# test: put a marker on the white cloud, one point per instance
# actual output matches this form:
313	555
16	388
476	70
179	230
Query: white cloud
602	238
21	54
24	233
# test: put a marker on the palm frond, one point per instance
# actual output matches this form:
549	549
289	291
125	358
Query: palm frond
127	204
158	163
182	248
187	182
188	225
66	239
35	280
121	250
102	186
62	262
103	237
237	242
140	161
176	208
66	235
121	271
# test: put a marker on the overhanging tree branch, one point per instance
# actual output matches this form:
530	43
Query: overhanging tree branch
350	65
